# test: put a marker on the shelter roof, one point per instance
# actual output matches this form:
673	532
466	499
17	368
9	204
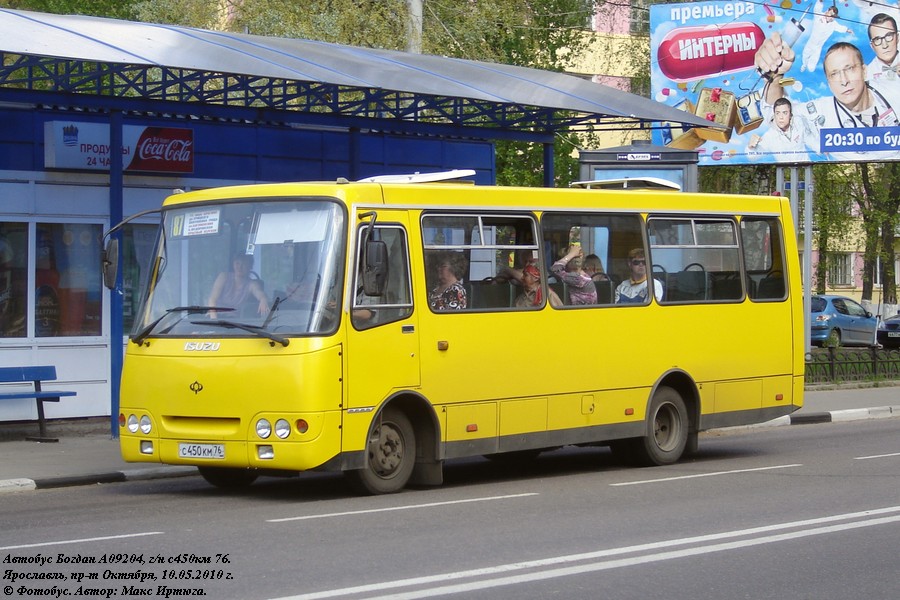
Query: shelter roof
114	58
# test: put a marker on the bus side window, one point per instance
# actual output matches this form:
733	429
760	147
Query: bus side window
396	303
763	249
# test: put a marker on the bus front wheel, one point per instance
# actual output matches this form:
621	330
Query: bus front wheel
667	432
390	456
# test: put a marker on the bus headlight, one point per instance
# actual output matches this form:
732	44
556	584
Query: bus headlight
145	424
132	423
263	428
282	428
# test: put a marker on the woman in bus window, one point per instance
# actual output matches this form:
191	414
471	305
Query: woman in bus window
449	293
569	269
532	291
233	288
593	266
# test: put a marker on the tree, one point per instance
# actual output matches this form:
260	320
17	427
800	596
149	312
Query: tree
116	9
542	35
831	216
878	200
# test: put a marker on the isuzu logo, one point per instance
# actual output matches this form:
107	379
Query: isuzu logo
201	346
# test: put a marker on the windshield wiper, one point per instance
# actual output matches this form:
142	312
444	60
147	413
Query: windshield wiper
146	331
255	329
275	305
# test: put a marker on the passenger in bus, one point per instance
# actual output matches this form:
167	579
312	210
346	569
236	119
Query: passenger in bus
300	293
232	289
593	266
532	290
634	289
523	259
570	270
449	293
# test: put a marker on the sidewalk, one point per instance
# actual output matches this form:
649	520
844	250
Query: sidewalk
87	454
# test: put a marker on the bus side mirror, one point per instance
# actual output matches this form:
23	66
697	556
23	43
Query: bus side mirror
109	263
375	273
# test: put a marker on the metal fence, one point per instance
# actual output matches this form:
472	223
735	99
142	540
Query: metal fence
839	365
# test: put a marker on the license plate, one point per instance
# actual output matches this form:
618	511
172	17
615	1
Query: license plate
893	333
212	451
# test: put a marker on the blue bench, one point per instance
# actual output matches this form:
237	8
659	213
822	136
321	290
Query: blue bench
34	376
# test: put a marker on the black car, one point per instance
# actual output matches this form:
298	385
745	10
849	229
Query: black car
889	332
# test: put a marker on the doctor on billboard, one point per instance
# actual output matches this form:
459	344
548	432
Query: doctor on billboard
792	82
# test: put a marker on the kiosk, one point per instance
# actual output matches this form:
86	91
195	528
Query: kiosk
641	159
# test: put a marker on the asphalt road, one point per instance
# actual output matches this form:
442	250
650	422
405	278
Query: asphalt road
809	511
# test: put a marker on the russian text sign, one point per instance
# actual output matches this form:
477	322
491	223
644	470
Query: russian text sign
85	146
833	98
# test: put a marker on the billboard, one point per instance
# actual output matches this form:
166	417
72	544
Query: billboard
792	81
85	146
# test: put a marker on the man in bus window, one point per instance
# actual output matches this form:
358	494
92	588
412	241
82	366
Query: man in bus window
634	289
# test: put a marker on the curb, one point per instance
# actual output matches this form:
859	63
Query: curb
851	414
24	484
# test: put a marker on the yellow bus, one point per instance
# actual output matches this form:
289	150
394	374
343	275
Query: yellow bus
381	328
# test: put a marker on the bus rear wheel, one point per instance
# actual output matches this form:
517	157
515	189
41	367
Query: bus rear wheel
667	432
228	478
390	456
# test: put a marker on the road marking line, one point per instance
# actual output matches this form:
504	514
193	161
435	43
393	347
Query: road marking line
714	474
81	541
877	456
393	508
629	562
540	563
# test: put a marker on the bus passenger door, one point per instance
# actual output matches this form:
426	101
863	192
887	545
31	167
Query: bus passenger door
382	340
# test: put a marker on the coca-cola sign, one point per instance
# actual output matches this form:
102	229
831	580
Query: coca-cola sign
85	146
164	149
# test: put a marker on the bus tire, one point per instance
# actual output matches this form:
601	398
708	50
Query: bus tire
667	430
390	456
228	478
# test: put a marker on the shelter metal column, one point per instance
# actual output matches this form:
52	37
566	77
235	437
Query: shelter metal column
807	254
548	165
116	326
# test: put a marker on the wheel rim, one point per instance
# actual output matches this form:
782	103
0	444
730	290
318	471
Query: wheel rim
386	450
667	427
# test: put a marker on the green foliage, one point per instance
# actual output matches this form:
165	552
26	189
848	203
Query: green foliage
117	9
750	179
368	23
194	13
522	163
541	35
878	200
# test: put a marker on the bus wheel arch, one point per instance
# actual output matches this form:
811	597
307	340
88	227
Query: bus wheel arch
685	386
673	413
401	448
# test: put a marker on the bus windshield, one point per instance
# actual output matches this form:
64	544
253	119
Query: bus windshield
267	267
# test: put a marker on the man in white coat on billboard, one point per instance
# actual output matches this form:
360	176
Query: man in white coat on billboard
789	136
856	105
883	40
